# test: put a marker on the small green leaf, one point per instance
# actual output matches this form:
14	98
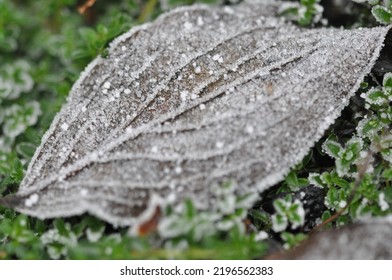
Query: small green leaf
26	149
292	240
369	127
375	96
387	174
332	148
382	14
387	81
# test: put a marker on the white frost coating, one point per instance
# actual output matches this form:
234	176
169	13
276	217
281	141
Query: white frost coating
279	225
202	136
342	204
261	235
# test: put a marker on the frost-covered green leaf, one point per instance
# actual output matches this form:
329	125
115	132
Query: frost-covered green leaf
332	148
348	156
345	157
292	240
387	82
294	182
382	14
288	212
369	126
305	12
375	96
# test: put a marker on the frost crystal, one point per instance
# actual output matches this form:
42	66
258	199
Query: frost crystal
153	117
33	199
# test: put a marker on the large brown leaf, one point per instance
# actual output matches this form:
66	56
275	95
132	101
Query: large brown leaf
366	240
200	96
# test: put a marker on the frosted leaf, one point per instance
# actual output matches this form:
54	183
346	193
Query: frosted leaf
15	79
94	235
370	239
57	243
129	150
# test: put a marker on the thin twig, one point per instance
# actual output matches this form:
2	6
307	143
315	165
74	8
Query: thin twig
88	4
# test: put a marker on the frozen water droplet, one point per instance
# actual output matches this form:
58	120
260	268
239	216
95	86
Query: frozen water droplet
178	170
83	192
184	95
94	236
218	57
198	70
202	106
106	85
219	144
342	204
249	129
64	126
262	235
33	199
172	197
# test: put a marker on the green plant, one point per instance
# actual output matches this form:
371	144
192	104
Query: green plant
305	12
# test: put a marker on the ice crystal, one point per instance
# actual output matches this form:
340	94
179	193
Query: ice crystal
233	93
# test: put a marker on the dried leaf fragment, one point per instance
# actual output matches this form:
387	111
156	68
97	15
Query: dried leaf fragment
201	96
